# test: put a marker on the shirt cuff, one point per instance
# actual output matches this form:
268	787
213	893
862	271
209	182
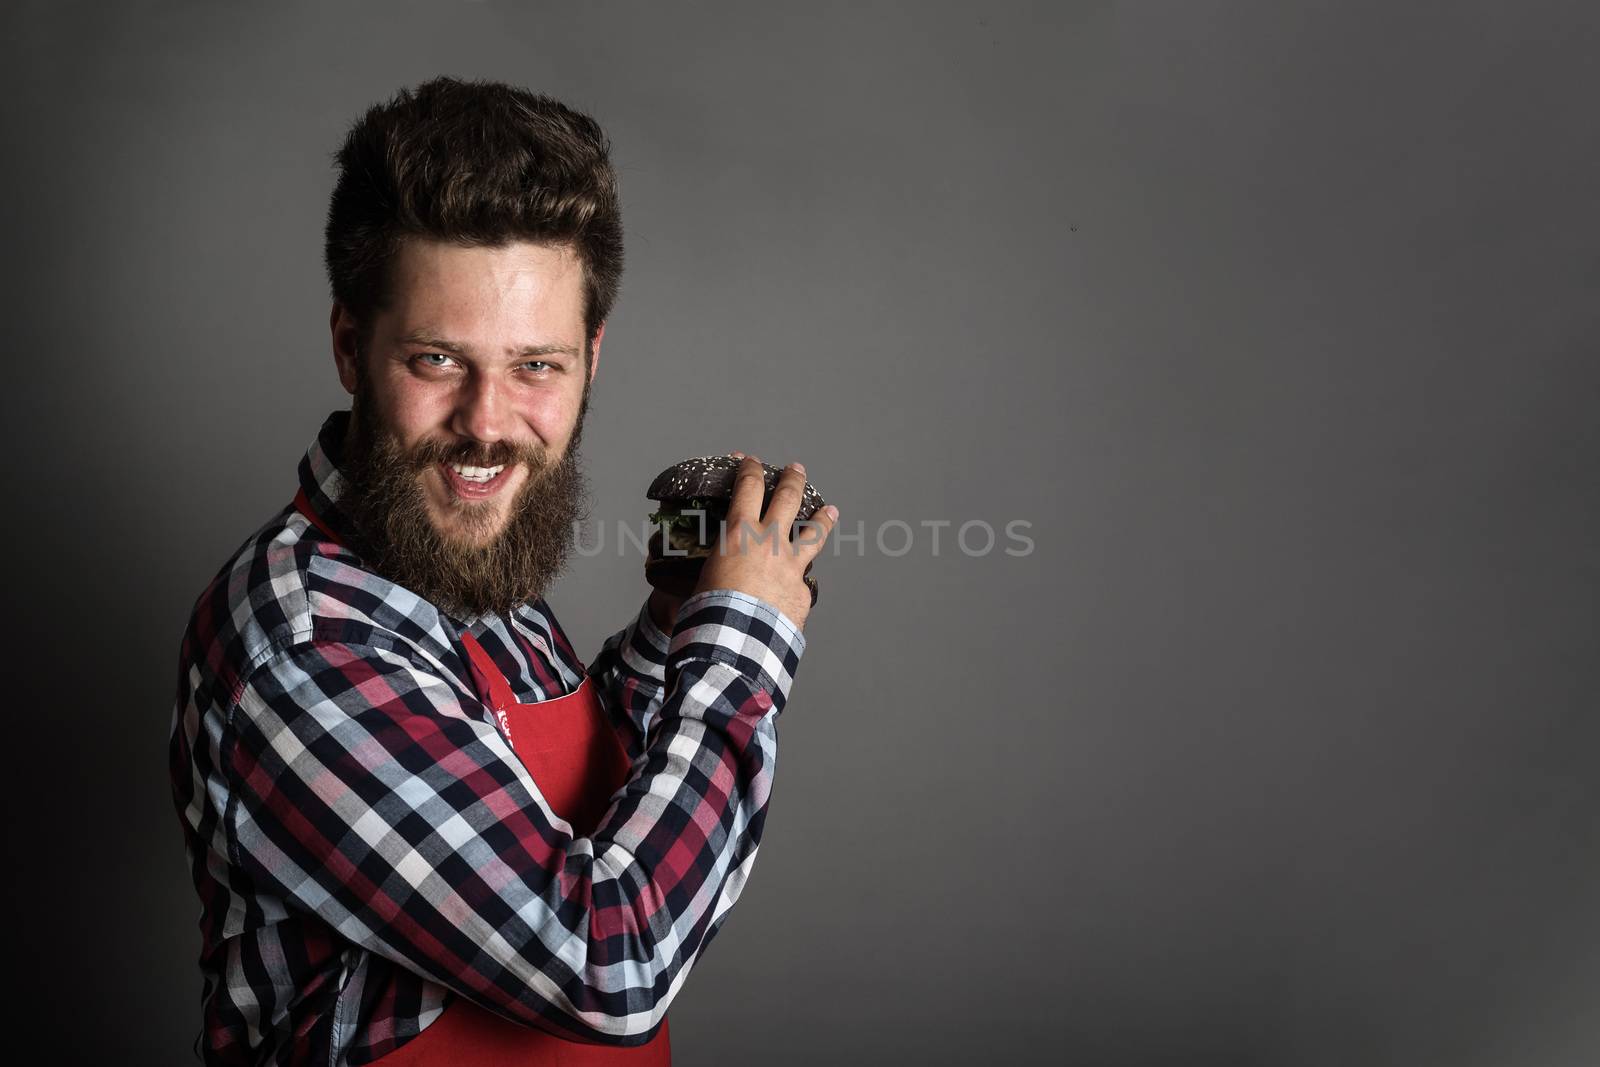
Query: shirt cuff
745	633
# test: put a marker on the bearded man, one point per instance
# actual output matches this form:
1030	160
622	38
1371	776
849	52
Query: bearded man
421	829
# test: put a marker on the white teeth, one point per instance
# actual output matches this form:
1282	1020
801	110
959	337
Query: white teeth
476	474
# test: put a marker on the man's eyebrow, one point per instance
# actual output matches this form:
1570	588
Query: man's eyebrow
551	349
428	339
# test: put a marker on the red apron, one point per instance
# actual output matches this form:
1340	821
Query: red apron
572	752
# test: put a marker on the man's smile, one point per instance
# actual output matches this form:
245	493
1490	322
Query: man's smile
475	483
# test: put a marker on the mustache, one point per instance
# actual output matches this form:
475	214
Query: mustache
475	454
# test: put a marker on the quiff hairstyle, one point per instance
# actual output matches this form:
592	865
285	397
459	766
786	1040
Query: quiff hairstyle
477	163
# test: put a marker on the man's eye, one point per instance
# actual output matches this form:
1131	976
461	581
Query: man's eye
537	365
434	359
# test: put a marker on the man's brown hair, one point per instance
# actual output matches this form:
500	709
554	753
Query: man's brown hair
480	163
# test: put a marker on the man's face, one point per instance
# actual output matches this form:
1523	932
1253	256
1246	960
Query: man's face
469	404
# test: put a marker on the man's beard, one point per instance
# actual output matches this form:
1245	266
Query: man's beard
386	504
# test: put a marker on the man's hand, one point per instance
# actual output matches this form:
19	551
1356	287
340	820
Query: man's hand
756	554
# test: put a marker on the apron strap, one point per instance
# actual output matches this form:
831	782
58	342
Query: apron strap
500	694
302	504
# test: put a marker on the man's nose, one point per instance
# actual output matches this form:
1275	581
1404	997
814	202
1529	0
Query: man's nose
480	410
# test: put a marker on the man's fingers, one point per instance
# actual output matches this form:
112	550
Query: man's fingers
810	534
786	498
777	527
749	489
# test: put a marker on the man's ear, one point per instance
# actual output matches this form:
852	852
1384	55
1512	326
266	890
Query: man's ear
346	346
594	351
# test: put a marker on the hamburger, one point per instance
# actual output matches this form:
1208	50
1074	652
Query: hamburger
694	497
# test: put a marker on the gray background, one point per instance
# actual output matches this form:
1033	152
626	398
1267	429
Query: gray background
1276	321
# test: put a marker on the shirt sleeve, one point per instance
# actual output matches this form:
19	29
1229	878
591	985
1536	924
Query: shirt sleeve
630	675
371	792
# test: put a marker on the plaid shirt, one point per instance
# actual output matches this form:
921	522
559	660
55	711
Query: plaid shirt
365	844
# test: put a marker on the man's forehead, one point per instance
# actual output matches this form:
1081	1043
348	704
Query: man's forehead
521	297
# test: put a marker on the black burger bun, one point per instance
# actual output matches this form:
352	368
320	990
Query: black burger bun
712	477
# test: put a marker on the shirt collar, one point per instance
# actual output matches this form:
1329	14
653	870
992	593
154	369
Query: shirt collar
323	480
